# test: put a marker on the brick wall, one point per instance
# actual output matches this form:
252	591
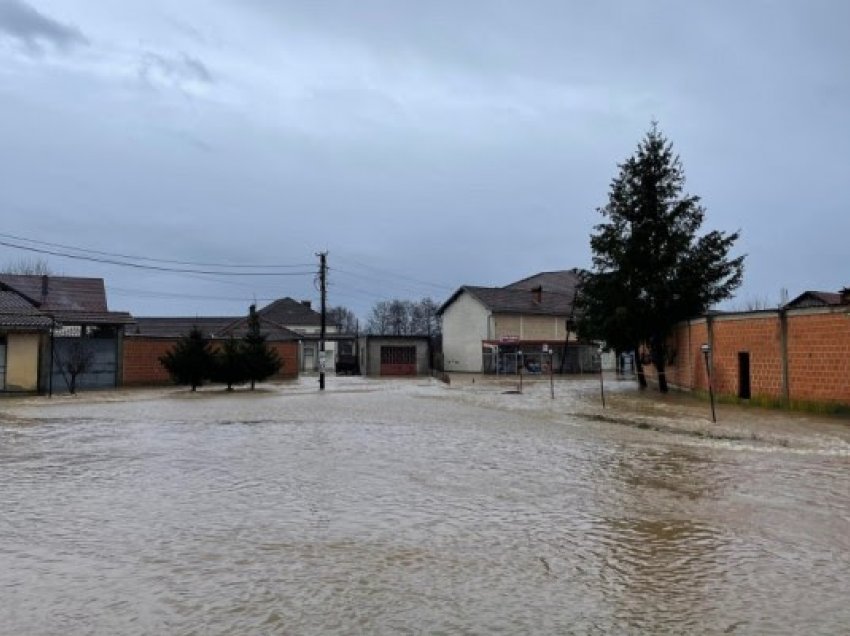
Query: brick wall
142	367
817	344
819	356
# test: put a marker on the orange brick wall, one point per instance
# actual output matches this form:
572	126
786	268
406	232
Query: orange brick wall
818	349
142	367
759	336
687	368
819	357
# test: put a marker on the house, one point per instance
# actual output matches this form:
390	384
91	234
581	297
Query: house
394	355
151	337
493	329
57	331
300	317
819	299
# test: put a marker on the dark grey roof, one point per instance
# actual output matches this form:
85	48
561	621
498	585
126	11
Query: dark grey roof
563	281
212	327
273	331
521	301
289	312
814	299
555	298
17	313
171	327
92	317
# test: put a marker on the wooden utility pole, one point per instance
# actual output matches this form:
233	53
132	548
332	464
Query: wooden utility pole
323	280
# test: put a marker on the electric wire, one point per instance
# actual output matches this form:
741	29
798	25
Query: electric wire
151	259
148	267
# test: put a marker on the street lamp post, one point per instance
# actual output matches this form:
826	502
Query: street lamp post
706	352
519	362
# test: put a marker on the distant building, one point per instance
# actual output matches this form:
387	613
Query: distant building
149	339
819	299
394	355
486	328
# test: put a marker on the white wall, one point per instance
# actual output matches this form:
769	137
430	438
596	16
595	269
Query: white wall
465	325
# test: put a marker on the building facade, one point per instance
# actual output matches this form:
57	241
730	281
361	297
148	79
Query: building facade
394	356
57	334
528	323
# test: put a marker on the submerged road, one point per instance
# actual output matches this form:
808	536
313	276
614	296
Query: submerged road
412	507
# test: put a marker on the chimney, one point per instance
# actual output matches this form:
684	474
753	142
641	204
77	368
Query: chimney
845	296
308	304
537	294
44	289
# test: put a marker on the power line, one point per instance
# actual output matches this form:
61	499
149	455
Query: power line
151	259
395	275
148	267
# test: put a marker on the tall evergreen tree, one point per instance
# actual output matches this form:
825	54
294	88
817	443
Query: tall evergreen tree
650	267
191	361
260	360
230	363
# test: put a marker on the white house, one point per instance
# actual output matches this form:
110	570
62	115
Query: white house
492	329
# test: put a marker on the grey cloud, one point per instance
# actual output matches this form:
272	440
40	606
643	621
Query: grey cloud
177	71
21	22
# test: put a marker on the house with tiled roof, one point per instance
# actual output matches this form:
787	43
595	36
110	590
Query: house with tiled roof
819	299
494	329
46	320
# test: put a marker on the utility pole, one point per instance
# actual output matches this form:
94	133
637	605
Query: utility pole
323	280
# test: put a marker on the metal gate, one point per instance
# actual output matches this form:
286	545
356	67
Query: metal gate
97	357
397	360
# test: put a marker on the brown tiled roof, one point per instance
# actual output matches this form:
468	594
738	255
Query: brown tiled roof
814	299
291	313
64	293
17	313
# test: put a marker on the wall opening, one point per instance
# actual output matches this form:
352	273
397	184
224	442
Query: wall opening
744	375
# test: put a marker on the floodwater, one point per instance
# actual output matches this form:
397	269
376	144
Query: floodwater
412	507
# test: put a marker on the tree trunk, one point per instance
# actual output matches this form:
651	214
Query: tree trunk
639	369
659	361
73	387
252	384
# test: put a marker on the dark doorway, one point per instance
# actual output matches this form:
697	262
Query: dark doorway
744	375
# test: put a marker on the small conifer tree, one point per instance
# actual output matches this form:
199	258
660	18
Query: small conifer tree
260	360
191	361
230	363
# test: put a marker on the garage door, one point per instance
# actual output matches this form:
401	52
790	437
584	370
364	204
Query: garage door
398	360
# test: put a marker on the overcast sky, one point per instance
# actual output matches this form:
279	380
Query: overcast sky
425	145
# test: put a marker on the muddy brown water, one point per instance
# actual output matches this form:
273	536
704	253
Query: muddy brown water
411	507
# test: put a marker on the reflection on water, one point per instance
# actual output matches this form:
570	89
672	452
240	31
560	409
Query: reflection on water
410	507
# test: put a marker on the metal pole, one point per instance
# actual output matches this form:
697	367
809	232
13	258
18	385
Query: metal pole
551	374
519	358
601	381
50	374
710	387
323	276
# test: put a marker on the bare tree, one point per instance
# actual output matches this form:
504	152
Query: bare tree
404	317
344	318
28	266
75	360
